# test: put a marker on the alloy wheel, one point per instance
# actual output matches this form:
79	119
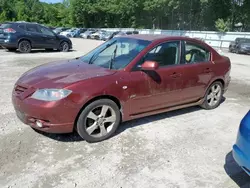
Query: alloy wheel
24	47
214	95
100	121
64	47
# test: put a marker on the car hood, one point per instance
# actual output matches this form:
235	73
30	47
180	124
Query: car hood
61	74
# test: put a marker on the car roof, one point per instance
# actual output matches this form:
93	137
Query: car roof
22	22
153	37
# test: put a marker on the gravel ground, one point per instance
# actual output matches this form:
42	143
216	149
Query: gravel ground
184	148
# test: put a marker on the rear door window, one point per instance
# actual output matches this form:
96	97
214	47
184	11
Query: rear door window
22	26
196	53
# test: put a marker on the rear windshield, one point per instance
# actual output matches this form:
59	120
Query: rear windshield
4	26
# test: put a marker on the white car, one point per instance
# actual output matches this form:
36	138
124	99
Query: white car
67	33
86	34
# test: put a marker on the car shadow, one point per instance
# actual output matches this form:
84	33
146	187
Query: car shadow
235	172
74	137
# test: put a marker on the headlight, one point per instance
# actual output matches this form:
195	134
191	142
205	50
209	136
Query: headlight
50	94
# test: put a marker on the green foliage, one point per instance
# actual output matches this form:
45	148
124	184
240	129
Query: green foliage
222	26
162	14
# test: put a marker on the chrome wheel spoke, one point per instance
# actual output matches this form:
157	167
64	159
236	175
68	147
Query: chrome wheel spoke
104	110
92	116
110	119
213	88
103	130
209	96
212	101
92	128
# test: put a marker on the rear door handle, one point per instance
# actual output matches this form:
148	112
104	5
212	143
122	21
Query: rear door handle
175	75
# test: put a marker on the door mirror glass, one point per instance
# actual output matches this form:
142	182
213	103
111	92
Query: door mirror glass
150	65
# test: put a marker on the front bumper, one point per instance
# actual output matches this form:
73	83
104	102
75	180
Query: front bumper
56	117
241	152
241	159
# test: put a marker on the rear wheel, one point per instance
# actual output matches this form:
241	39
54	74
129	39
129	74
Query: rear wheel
24	46
99	120
213	96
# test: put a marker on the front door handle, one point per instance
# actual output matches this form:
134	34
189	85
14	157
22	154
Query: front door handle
175	75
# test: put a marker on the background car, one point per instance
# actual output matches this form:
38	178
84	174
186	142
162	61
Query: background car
68	32
122	79
98	34
113	33
59	30
105	35
25	36
120	33
241	152
86	34
77	32
240	45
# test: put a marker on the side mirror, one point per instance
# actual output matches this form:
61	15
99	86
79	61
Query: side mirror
150	65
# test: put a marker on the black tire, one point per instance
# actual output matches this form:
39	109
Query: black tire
83	120
24	46
207	102
64	46
11	49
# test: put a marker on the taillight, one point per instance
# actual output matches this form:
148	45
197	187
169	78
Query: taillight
9	30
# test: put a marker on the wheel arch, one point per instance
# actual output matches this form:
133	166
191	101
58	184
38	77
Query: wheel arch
112	98
22	39
215	80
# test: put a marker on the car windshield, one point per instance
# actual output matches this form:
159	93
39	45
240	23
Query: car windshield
120	51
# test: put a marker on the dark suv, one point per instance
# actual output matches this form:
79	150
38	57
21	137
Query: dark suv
26	36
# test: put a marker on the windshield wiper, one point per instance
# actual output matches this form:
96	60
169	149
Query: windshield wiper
113	58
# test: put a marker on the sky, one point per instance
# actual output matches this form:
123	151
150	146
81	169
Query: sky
51	1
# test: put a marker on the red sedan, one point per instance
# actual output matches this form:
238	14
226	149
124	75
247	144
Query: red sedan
125	78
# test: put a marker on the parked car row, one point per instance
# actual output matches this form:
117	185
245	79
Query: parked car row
103	34
91	33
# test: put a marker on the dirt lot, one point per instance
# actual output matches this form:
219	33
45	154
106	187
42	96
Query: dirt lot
185	148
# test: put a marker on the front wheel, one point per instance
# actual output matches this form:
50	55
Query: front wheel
64	47
213	96
99	120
